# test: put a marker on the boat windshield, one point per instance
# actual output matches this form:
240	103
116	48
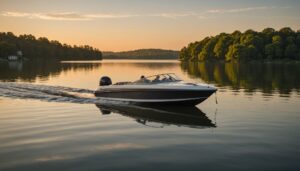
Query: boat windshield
159	78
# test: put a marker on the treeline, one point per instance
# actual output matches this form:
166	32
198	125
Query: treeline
250	45
142	54
42	48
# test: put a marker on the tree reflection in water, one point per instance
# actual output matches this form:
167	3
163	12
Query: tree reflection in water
266	77
29	71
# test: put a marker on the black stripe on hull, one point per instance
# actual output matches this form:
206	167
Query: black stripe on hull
171	103
157	96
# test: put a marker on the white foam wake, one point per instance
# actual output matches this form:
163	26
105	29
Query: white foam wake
47	93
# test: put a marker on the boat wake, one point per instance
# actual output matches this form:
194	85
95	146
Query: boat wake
47	93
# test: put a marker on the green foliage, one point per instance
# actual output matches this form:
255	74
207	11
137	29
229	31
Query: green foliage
291	51
207	50
184	54
222	46
273	51
298	39
7	49
237	52
268	31
250	45
276	39
44	49
286	31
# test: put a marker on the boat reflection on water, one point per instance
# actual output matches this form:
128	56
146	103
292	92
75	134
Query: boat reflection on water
185	116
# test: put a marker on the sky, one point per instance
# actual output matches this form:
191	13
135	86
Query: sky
120	25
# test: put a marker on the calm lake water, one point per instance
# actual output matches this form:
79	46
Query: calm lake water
49	119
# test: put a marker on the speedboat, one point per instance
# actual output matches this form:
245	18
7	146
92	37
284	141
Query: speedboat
161	89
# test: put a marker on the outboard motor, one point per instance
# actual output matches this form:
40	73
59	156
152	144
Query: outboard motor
105	81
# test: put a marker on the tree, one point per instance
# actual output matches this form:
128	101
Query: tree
269	51
268	31
196	48
207	50
291	51
268	44
286	31
42	48
222	46
252	52
297	41
273	51
184	55
276	39
250	31
7	49
235	52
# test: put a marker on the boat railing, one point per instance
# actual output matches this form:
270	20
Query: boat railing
154	79
165	75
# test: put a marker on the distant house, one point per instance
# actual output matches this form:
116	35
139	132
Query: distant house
15	57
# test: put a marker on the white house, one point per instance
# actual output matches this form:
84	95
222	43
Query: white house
15	57
12	57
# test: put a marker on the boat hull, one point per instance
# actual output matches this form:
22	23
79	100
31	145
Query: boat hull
156	96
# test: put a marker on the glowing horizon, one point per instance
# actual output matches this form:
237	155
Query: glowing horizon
121	25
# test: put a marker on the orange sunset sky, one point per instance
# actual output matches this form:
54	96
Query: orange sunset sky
119	25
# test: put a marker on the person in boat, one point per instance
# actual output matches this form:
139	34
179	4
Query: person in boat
167	78
170	78
143	79
157	79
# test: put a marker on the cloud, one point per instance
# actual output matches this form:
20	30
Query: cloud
173	15
237	10
110	15
72	16
66	16
15	14
178	15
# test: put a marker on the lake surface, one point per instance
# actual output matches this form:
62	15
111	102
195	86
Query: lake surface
50	120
